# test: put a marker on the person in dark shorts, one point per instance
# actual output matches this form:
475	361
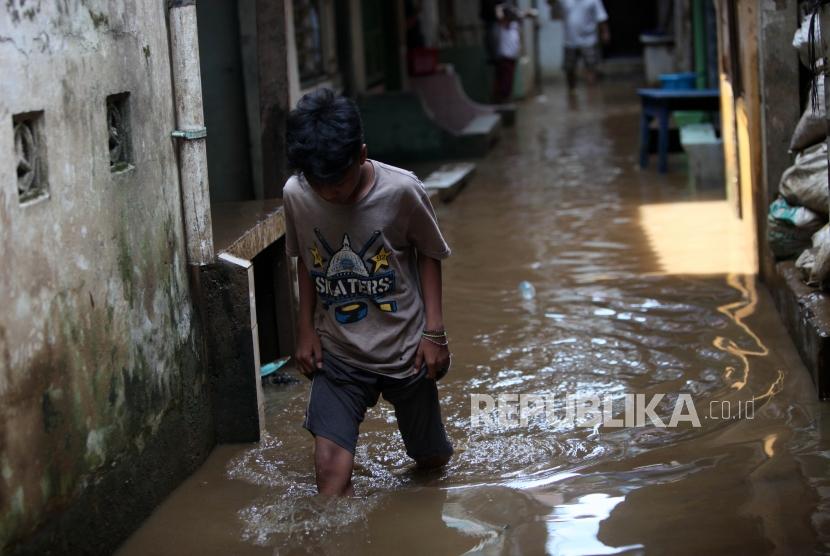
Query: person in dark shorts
370	321
585	24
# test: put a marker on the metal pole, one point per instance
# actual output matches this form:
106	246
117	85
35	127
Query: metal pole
190	122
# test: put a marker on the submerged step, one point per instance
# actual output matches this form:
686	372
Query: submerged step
449	179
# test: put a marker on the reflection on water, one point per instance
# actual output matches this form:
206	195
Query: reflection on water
559	205
573	528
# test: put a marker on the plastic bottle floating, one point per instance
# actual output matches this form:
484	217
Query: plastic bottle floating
526	290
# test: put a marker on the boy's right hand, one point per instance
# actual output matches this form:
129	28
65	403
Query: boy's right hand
309	353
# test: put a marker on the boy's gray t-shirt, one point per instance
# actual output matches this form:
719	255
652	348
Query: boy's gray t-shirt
363	265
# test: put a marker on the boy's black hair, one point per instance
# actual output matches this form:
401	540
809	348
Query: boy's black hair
324	135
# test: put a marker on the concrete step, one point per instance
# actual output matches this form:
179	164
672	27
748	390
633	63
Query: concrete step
705	152
246	228
805	312
447	181
484	124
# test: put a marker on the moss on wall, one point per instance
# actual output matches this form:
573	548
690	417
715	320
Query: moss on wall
104	400
101	386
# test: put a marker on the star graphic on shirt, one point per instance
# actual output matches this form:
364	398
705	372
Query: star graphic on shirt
315	253
381	259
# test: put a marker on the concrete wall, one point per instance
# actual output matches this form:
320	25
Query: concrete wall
551	43
760	110
225	101
780	110
748	119
103	399
250	72
467	19
525	81
683	36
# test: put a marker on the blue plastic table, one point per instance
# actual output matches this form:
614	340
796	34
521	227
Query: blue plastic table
660	103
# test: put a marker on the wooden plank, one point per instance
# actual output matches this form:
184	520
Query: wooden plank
749	124
728	126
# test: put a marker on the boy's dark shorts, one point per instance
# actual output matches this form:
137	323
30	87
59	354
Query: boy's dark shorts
340	395
590	57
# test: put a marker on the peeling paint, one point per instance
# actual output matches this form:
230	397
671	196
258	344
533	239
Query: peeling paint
51	415
96	446
18	9
17	505
99	19
99	333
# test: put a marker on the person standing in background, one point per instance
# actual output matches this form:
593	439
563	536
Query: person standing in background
509	49
491	13
585	24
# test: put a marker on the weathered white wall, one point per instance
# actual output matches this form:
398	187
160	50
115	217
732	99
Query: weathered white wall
526	68
551	43
430	22
98	346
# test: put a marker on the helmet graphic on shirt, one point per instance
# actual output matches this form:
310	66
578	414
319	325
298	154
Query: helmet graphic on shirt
351	284
346	261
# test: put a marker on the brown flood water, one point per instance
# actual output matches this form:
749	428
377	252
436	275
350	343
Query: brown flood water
641	289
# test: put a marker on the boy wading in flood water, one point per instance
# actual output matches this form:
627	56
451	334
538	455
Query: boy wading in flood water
369	273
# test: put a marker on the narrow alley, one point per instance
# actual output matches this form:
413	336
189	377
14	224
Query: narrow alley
561	204
442	277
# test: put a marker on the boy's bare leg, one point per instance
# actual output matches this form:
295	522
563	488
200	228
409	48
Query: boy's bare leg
570	78
333	466
591	76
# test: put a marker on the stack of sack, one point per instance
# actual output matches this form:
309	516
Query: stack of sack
797	222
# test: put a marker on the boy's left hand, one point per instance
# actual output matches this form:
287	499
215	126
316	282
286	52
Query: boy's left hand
437	359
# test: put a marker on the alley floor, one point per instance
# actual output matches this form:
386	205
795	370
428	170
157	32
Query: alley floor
643	285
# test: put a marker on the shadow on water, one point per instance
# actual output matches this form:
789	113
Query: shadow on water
561	204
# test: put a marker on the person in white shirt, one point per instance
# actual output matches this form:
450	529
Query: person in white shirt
585	22
508	52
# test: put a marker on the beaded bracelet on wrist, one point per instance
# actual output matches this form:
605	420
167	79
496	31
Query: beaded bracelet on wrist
436	342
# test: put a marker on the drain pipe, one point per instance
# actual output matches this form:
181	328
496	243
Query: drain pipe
191	132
